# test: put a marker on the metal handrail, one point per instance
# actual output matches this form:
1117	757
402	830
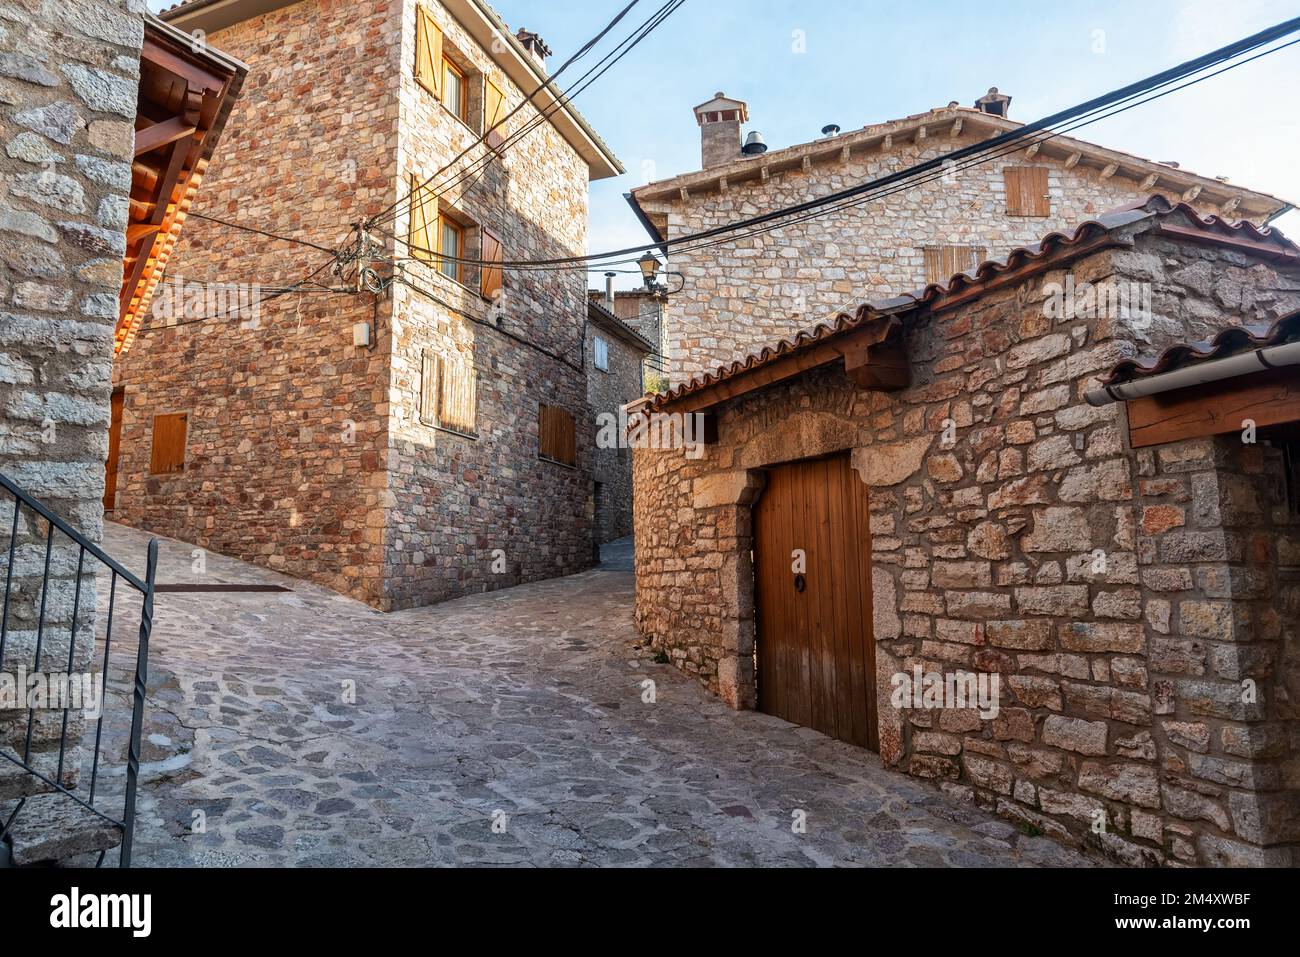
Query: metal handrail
146	587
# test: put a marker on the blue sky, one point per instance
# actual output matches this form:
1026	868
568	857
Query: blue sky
863	61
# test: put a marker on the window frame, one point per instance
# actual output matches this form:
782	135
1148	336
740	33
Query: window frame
571	439
157	465
442	264
461	109
599	344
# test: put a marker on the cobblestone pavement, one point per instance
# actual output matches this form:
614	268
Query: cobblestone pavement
503	729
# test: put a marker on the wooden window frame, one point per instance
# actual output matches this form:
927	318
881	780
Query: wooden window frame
457	273
947	257
491	277
1039	205
428	39
434	376
461	109
160	462
548	417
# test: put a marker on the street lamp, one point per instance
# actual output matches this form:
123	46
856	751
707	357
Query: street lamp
649	264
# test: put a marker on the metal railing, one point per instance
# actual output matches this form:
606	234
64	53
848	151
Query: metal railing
45	526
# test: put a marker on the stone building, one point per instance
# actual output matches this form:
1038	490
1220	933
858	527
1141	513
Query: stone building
81	121
643	310
919	496
616	356
755	289
417	440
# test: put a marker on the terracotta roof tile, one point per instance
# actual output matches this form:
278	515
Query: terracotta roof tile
1227	343
1051	245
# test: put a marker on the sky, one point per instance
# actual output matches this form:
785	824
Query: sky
801	64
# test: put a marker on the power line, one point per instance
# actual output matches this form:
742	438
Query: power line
548	83
260	232
939	165
543	115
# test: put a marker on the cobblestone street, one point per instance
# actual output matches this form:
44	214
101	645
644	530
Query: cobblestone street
503	729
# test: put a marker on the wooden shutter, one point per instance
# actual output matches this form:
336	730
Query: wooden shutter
1026	188
457	395
494	111
944	262
429	388
423	241
557	435
428	52
490	277
168	443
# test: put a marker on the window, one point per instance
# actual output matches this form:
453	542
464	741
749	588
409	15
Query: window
455	91
494	112
944	262
451	243
168	444
428	52
449	393
1027	191
433	234
601	349
556	435
491	278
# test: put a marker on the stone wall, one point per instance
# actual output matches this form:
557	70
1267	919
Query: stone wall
288	420
475	514
67	110
756	290
1123	596
307	454
607	392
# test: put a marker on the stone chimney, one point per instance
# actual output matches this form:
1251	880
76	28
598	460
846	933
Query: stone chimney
994	103
720	120
535	45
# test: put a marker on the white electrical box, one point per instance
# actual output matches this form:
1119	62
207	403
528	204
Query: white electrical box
361	335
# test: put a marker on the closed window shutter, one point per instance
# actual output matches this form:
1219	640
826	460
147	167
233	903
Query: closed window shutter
556	435
494	111
491	278
168	453
944	262
429	388
428	52
1026	188
457	395
422	240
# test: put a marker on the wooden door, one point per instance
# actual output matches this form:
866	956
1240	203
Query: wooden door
114	447
816	656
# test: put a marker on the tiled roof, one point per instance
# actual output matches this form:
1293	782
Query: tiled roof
1052	246
596	310
1227	343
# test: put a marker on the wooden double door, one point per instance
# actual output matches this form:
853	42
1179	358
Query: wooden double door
812	563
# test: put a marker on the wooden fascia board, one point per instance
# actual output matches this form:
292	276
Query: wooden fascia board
778	370
1266	250
1216	408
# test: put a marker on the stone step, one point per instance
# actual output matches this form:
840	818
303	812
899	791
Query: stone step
54	829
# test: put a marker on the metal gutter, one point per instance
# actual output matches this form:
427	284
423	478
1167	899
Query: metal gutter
1246	363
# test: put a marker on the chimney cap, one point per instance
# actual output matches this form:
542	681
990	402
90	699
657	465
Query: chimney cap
754	144
535	44
994	103
721	103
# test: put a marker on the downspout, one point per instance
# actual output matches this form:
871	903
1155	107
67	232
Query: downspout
1273	357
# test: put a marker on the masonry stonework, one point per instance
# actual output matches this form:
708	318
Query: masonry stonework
1124	597
68	95
754	290
306	453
